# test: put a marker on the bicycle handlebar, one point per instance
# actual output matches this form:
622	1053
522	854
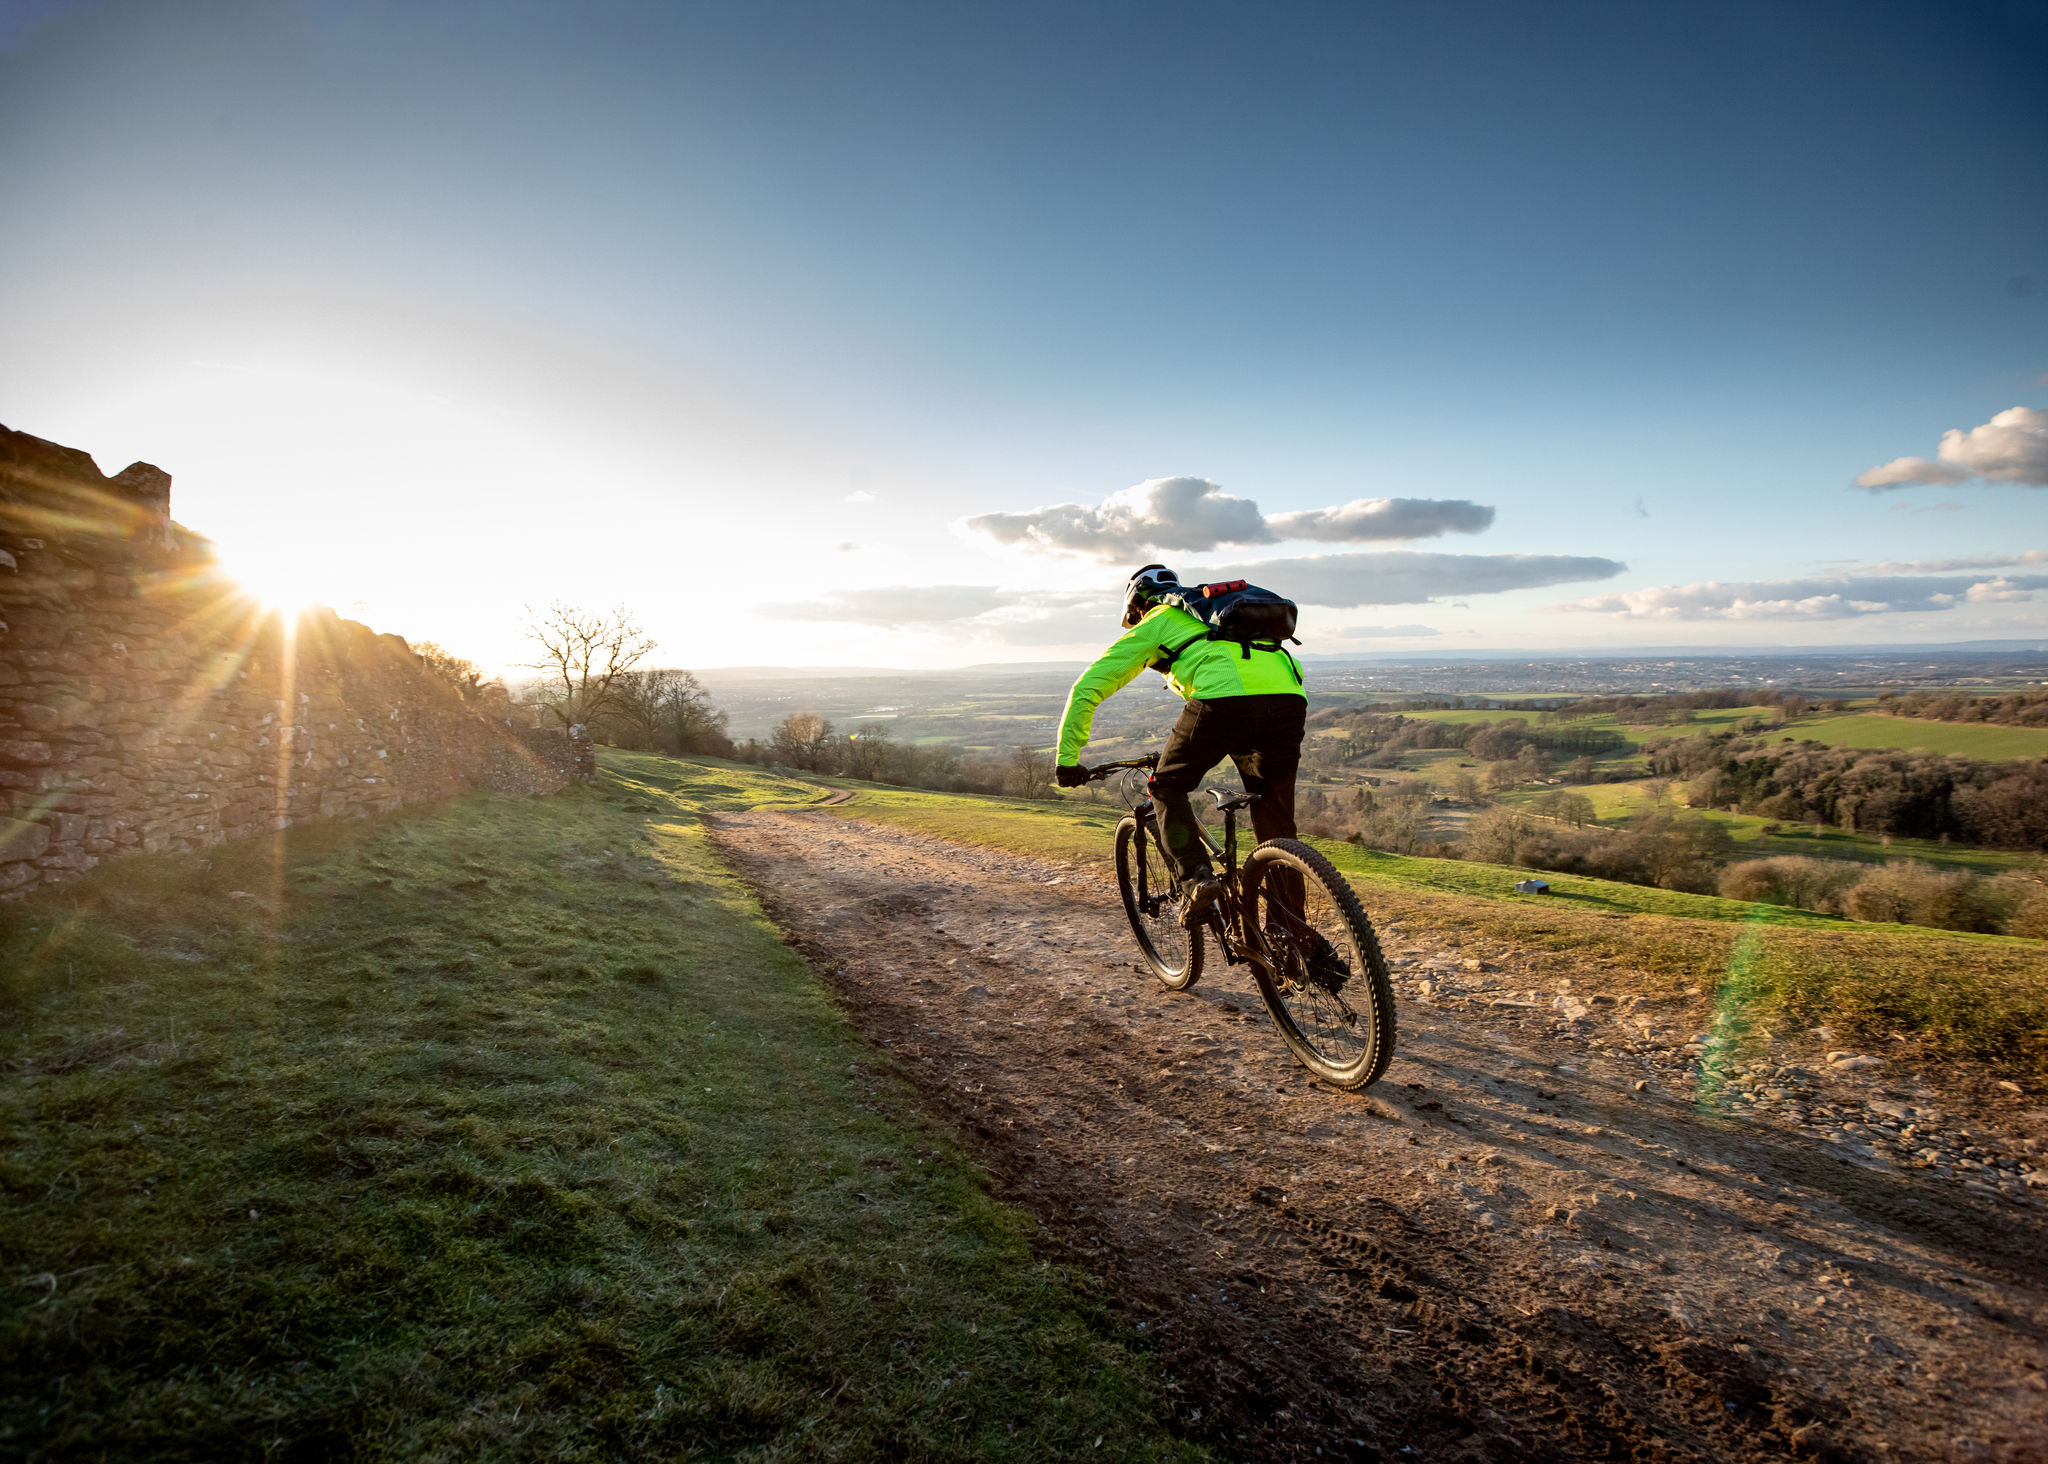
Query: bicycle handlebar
1103	770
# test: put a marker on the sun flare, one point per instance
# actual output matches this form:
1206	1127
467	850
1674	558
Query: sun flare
275	582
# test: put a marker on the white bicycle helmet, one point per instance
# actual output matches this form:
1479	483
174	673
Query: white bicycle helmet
1141	591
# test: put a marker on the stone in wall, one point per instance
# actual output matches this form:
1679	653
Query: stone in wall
147	704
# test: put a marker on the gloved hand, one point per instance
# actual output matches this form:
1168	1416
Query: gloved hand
1070	775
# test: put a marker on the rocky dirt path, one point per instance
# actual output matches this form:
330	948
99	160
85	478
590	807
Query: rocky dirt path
1507	1250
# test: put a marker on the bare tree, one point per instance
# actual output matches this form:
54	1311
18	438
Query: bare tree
1575	809
663	710
1030	773
804	740
583	655
870	752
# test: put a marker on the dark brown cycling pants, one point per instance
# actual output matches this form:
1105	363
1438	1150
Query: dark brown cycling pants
1262	735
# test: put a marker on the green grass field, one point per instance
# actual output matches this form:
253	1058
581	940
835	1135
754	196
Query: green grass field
1712	720
505	1129
1616	803
1437	766
1878	730
1977	997
1471	717
1872	730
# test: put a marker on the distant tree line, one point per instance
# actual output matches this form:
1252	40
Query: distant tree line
1380	738
662	710
1636	709
1664	848
810	743
1922	795
2011	709
1395	819
1465	704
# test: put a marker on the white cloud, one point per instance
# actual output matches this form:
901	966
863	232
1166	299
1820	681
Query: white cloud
2011	448
1385	632
1380	520
1401	577
1844	597
859	495
1908	472
1160	513
1194	514
1993	591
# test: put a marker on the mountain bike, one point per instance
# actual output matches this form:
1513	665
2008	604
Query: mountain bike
1287	913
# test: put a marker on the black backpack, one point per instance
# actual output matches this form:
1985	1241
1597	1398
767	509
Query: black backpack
1243	614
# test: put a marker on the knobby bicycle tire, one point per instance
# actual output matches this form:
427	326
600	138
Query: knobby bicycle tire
1334	1007
1173	954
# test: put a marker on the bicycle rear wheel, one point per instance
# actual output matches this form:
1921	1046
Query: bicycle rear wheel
1174	954
1327	988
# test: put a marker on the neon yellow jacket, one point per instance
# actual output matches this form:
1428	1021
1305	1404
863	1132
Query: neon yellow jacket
1207	669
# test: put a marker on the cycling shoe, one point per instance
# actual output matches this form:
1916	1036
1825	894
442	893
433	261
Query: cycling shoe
1200	897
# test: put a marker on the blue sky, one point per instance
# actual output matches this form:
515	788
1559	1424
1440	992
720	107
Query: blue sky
742	314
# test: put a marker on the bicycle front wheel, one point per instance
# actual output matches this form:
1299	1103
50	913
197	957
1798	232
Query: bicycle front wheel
1327	985
1174	954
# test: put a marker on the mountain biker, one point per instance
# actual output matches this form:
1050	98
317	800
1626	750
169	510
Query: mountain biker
1247	706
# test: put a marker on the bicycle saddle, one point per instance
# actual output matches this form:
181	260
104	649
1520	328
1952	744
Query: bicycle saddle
1224	805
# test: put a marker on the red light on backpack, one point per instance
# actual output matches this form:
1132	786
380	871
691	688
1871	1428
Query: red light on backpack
1226	587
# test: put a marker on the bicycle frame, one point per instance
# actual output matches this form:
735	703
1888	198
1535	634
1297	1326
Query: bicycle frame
1229	918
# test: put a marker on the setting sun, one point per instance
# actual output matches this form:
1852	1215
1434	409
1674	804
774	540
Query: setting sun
274	582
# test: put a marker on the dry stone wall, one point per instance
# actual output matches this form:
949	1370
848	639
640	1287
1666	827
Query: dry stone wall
147	704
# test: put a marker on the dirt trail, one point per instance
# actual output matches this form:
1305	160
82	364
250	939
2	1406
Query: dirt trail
1504	1251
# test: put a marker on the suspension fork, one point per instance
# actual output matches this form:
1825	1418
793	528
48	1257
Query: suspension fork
1147	815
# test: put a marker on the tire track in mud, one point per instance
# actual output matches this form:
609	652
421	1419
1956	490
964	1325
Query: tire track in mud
1502	1252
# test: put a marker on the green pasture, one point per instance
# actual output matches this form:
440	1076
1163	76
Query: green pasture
1437	766
1872	730
1471	717
1712	720
1879	730
507	1129
1616	803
